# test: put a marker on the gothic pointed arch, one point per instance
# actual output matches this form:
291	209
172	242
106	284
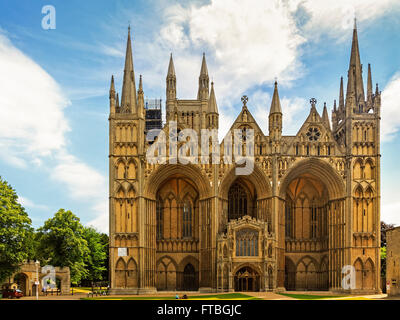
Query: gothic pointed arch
258	178
132	276
318	168
120	273
359	266
162	173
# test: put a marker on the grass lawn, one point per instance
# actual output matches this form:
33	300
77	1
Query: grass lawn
309	296
226	296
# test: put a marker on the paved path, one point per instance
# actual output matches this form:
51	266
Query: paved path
262	295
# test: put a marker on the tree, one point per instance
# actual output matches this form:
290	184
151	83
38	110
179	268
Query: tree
96	260
15	232
384	228
61	243
105	241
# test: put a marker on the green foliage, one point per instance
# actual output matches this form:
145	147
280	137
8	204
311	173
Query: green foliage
383	253
61	242
96	259
383	261
384	228
16	233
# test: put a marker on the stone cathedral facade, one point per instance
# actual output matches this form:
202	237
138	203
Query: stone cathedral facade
310	206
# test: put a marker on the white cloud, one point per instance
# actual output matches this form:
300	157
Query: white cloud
245	45
102	218
33	130
390	212
27	203
32	123
335	18
82	181
390	110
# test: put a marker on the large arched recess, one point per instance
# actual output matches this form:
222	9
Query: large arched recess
304	225
318	168
163	172
257	178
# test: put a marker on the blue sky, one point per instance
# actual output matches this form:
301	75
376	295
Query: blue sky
54	83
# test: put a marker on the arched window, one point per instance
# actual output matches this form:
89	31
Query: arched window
246	242
159	217
313	221
289	219
237	202
187	220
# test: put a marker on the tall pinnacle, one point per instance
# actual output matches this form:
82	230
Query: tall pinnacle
203	81
369	84
275	104
325	117
212	102
356	68
341	95
203	70
112	88
171	68
128	97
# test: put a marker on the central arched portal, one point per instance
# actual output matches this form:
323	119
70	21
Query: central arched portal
247	279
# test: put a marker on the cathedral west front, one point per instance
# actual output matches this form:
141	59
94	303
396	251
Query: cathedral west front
309	207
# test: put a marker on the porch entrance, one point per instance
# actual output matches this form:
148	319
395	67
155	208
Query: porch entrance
246	279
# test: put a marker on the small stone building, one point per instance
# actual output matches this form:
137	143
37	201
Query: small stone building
393	261
25	278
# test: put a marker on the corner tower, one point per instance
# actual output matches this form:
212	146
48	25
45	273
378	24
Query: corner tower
357	130
126	148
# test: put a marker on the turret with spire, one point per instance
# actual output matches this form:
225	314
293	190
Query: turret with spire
112	96
212	109
204	81
171	89
128	97
171	80
275	116
325	117
355	87
140	105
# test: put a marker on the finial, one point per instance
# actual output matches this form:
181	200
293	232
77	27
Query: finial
313	101
244	100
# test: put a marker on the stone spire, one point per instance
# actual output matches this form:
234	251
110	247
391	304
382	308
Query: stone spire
212	102
140	107
128	97
171	68
325	117
341	95
117	104
112	96
112	88
171	80
275	104
369	84
275	116
203	81
356	86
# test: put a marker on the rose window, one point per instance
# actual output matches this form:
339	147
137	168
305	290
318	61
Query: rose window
313	134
